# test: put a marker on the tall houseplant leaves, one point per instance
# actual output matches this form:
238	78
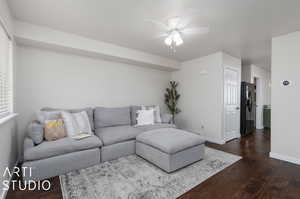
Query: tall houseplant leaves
171	99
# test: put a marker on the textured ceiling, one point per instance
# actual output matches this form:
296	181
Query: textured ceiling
242	28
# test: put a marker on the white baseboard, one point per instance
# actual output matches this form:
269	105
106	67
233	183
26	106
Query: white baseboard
285	158
214	140
4	192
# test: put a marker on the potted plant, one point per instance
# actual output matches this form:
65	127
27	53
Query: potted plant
171	99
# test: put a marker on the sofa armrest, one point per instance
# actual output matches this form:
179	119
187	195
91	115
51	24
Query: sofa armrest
35	132
28	143
166	118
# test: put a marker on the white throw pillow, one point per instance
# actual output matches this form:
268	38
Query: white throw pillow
145	117
76	123
156	109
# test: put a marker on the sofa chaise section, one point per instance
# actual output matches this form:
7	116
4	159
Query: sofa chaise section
170	149
145	128
116	128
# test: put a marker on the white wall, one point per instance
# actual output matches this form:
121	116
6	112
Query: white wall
8	130
201	88
232	61
285	136
48	78
8	149
201	102
246	73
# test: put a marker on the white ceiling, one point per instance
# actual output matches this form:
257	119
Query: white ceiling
242	28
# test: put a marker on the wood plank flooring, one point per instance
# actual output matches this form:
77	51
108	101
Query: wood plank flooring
256	176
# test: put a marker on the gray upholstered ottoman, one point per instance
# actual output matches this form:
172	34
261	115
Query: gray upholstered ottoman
170	148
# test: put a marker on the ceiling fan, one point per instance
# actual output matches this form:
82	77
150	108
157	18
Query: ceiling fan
175	28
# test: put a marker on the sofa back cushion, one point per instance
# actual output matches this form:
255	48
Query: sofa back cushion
133	114
89	111
105	117
43	116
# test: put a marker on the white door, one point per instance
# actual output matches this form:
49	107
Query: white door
232	79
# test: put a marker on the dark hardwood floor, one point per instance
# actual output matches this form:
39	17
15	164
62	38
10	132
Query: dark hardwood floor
254	176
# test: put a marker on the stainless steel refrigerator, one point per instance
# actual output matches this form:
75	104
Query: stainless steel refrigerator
248	108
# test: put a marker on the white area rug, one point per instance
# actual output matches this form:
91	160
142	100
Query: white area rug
132	177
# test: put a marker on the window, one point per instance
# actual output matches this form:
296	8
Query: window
6	102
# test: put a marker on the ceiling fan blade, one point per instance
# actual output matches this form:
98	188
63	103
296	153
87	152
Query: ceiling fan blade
173	22
184	22
198	30
187	17
163	35
158	24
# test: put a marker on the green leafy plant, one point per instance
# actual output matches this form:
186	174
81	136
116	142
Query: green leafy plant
171	99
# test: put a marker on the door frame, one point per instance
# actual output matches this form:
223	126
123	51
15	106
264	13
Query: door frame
239	70
259	124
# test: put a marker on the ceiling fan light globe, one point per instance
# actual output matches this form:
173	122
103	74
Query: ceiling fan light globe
177	39
179	42
168	41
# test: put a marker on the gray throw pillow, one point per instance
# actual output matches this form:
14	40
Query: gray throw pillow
133	114
36	132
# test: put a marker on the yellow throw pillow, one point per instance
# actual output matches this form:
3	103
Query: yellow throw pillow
54	129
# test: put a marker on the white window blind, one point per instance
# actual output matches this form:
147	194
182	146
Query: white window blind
5	73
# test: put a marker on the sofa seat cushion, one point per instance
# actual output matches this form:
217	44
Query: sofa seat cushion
59	147
155	126
169	140
116	134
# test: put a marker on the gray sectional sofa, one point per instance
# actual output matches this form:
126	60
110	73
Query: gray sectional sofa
114	136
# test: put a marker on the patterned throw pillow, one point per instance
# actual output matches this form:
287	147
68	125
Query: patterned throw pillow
54	130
